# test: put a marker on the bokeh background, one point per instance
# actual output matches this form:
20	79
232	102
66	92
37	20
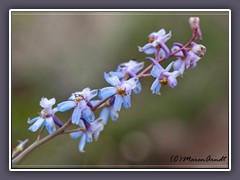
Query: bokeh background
57	53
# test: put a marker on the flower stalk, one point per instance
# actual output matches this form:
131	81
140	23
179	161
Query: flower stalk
123	81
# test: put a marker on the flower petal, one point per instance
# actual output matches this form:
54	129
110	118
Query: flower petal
104	115
118	102
165	48
76	115
138	88
91	94
45	103
113	114
156	87
36	125
55	110
66	105
30	121
76	135
177	64
161	32
132	82
88	114
166	37
50	126
111	79
82	142
127	101
147	49
119	73
176	48
106	92
156	71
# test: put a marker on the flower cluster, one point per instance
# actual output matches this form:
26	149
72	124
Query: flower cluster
123	81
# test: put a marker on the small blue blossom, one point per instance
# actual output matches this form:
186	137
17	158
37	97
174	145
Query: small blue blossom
80	101
190	58
109	110
163	76
120	90
46	116
132	67
92	130
129	69
157	44
198	49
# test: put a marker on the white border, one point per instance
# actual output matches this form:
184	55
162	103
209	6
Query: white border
119	10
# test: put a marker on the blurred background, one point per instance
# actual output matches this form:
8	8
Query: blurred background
57	53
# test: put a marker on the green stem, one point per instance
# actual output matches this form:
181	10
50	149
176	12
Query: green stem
37	143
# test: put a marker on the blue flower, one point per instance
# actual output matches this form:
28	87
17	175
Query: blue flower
46	116
157	44
163	76
92	131
132	67
81	103
109	110
190	58
128	70
120	90
198	49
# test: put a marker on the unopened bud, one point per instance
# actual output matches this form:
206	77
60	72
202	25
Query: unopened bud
199	50
19	147
194	23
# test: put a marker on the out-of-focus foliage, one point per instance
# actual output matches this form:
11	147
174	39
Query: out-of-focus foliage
55	54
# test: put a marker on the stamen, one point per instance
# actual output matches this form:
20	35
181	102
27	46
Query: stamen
151	39
121	92
44	114
164	81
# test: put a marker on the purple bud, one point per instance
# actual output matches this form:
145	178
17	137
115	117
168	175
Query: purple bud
194	23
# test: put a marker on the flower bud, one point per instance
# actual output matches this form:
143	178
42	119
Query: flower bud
194	23
19	147
199	50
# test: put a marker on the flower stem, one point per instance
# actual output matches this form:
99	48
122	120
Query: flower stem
17	159
62	128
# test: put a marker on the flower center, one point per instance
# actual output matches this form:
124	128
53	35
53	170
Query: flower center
77	99
108	104
44	113
121	92
151	39
164	81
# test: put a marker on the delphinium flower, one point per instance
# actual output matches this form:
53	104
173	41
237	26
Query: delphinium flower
109	111
156	44
46	116
120	90
163	76
89	132
128	70
124	80
80	101
188	58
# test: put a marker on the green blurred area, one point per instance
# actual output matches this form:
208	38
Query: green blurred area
55	54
